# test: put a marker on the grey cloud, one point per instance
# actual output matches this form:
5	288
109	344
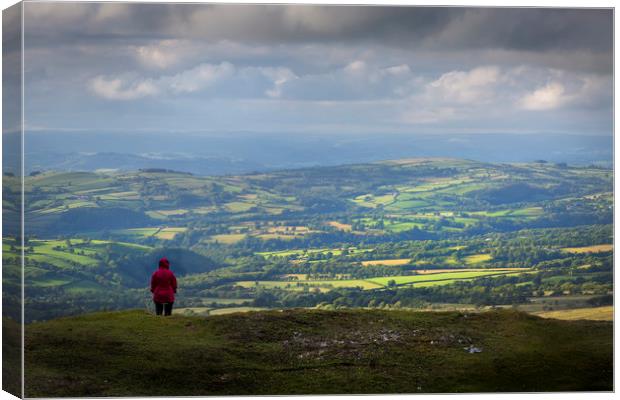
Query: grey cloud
529	29
507	28
260	67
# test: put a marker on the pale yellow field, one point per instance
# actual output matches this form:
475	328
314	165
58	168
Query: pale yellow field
227	238
477	258
301	277
605	313
589	249
169	233
267	236
121	195
190	310
291	230
341	226
238	206
398	261
217	311
232	310
171	212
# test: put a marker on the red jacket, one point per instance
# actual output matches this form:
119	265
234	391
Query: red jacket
163	283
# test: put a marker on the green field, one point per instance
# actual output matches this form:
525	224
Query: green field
437	279
303	252
477	259
422	280
66	263
227	238
300	285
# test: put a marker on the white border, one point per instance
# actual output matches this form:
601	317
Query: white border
477	3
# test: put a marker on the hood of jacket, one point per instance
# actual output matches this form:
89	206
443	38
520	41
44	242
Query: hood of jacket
164	263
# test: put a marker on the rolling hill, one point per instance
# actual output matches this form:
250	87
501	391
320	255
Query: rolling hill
345	235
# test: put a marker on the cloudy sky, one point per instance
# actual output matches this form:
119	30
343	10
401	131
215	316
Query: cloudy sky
317	69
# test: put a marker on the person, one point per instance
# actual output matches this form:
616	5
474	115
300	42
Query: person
163	287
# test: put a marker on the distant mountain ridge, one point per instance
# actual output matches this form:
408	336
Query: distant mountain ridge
234	153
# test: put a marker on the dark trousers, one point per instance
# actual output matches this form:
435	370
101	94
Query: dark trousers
166	308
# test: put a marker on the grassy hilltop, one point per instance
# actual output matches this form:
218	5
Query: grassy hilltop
132	353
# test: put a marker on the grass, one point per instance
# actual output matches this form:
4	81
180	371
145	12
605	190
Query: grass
520	213
373	201
238	206
44	251
57	254
167	213
233	310
323	285
340	226
528	212
217	311
268	236
448	277
438	271
302	252
401	226
227	238
407	205
314	352
166	233
82	287
600	248
605	313
392	262
140	232
169	233
217	300
422	280
477	258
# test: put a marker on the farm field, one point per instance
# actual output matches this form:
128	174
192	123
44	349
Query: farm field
300	285
165	233
227	238
306	252
423	280
605	313
169	233
69	253
216	311
436	278
218	300
402	233
590	249
439	271
341	226
400	261
477	258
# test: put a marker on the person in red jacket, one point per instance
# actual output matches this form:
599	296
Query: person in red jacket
163	287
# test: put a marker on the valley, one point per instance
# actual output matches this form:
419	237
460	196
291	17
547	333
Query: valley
409	233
